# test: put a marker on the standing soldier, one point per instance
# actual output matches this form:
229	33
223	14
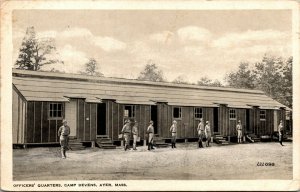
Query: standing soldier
207	133
135	134
280	132
173	130
200	130
150	131
239	131
63	133
126	132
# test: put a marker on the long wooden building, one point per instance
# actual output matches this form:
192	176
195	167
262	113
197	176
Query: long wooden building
95	106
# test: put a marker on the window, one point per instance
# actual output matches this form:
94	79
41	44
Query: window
262	115
177	112
198	113
129	111
55	110
232	114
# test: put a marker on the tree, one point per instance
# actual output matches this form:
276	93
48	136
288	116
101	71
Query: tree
151	73
242	78
180	80
35	53
205	81
91	68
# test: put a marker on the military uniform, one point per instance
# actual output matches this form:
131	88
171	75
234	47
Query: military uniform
280	132
126	132
239	129
135	135
207	133
173	130
63	133
150	131
201	134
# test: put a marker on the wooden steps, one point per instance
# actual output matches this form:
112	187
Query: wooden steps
252	138
159	142
220	139
104	142
75	145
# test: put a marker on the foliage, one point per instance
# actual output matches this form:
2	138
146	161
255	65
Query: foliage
272	75
35	53
91	68
205	81
151	73
180	80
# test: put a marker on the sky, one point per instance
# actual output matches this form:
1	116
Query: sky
188	43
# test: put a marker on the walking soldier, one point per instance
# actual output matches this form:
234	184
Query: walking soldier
173	130
239	128
135	134
126	132
200	130
150	131
63	133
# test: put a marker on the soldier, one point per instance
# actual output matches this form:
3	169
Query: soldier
126	133
150	131
200	130
280	132
135	134
239	131
207	133
63	133
173	130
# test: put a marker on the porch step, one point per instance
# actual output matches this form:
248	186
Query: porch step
252	138
220	139
105	143
160	142
75	146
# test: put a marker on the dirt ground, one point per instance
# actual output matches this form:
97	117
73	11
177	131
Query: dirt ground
186	162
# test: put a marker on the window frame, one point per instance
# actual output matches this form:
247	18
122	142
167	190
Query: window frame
198	113
179	112
264	114
51	109
133	111
231	114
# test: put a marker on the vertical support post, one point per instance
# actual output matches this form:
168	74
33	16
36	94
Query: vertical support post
144	143
93	144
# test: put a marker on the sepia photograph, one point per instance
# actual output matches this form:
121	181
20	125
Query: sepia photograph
104	97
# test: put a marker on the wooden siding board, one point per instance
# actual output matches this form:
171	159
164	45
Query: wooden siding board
87	121
38	122
93	121
81	119
115	123
30	122
52	133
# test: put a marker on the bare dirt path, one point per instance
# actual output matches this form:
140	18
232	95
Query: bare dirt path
186	162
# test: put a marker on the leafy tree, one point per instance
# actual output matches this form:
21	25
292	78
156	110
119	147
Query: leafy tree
180	80
35	53
151	73
242	78
205	81
91	68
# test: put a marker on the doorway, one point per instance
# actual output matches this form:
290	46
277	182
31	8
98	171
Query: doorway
248	120
154	117
216	120
101	119
71	116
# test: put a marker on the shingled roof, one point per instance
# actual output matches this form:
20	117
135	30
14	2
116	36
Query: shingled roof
60	87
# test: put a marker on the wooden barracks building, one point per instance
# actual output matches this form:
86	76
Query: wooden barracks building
98	106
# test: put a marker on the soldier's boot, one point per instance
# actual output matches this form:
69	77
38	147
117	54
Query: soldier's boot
65	154
125	147
174	145
149	148
62	154
152	146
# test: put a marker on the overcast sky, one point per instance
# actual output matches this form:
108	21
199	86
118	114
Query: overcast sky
191	44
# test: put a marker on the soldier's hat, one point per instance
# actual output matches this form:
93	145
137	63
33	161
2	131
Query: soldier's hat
239	121
174	121
64	121
151	121
135	121
207	121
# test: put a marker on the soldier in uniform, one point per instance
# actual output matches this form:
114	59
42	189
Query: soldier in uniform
63	133
239	131
135	134
173	130
207	133
126	130
150	131
200	130
280	132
